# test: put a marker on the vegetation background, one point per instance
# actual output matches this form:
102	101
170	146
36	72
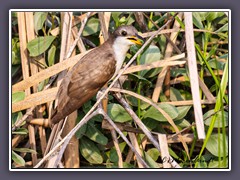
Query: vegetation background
40	43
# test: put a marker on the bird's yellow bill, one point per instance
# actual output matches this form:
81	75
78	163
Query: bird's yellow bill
135	39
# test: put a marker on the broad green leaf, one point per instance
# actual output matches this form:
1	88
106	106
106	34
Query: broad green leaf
39	45
143	80
18	96
197	20
117	113
95	135
213	15
215	164
16	57
90	151
16	116
113	153
218	122
115	165
216	64
152	54
92	27
201	163
39	19
115	16
153	153
175	95
83	129
24	150
153	113
51	55
182	123
150	123
182	111
223	28
214	147
177	72
17	159
150	161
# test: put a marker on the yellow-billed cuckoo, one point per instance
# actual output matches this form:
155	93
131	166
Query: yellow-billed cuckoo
93	71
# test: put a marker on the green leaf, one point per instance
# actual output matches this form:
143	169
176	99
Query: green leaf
92	27
150	161
177	72
24	150
216	64
150	123
143	80
201	163
90	151
153	153
117	113
113	153
39	19
22	131
182	123
182	111
95	135
213	15
18	96
216	164
83	129
153	113
16	116
214	147
218	122
16	57
175	95
51	55
17	159
223	28
152	54
115	16
197	20
39	45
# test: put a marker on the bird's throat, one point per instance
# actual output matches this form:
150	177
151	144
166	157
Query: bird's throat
120	50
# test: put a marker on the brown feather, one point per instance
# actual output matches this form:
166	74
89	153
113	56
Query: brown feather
84	80
94	70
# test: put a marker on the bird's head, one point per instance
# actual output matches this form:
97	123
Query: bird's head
127	35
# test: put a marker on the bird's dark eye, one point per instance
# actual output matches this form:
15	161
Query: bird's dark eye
124	33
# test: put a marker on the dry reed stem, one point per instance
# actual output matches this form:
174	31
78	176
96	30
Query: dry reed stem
76	20
117	147
163	73
46	73
71	154
22	26
167	31
193	75
66	25
133	139
162	138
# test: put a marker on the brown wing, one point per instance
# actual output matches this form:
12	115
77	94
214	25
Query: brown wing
83	81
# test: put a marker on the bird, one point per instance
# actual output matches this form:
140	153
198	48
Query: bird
93	71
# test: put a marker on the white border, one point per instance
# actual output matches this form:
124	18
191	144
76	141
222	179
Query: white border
116	10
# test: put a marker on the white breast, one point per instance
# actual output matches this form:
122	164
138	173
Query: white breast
120	46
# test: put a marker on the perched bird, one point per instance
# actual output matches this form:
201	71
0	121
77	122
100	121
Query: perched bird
93	71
